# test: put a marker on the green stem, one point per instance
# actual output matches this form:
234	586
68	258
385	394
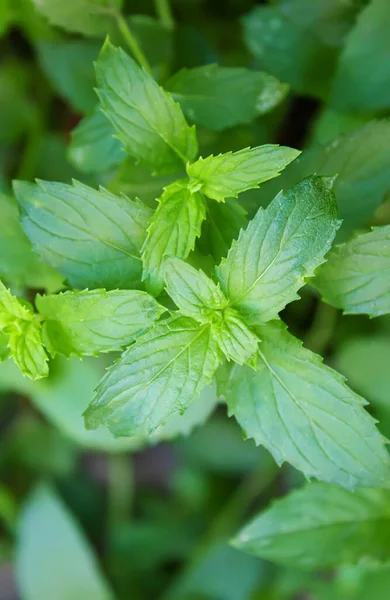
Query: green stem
132	43
321	331
164	12
120	489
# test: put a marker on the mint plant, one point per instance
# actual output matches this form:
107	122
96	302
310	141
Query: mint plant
174	237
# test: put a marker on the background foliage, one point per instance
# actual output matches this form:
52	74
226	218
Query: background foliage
85	515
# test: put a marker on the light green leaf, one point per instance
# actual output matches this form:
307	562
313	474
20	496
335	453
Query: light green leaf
90	17
93	147
281	246
321	526
234	338
221	97
195	294
356	276
69	66
362	80
19	265
45	524
92	237
25	344
157	377
222	225
147	121
12	309
299	41
173	229
303	413
227	175
4	350
136	181
95	321
360	160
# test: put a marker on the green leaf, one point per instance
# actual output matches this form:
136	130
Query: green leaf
68	65
299	41
321	526
4	350
93	147
90	17
147	121
362	80
92	237
25	344
195	294
222	225
95	321
157	377
227	175
281	246
235	339
360	160
156	42
221	97
356	275
173	229
45	522
12	309
19	265
303	413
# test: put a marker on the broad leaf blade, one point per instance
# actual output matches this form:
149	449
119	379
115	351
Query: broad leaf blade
93	147
356	276
227	175
92	237
221	97
303	413
321	526
155	378
195	294
362	81
25	344
46	524
173	229
95	321
281	246
147	121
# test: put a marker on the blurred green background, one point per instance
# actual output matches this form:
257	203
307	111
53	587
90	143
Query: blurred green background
87	517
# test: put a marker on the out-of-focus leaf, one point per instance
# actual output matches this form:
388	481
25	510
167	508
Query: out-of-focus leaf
17	110
221	226
221	97
299	40
156	42
90	17
362	81
51	542
94	148
69	66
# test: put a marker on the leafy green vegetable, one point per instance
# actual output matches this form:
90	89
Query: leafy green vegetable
281	246
19	265
362	79
95	321
90	17
69	67
74	570
172	231
299	41
221	97
356	276
92	237
235	339
227	175
193	292
146	119
303	413
93	147
321	525
155	378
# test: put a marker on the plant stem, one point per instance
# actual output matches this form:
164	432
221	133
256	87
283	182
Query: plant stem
164	12
120	489
132	43
320	333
